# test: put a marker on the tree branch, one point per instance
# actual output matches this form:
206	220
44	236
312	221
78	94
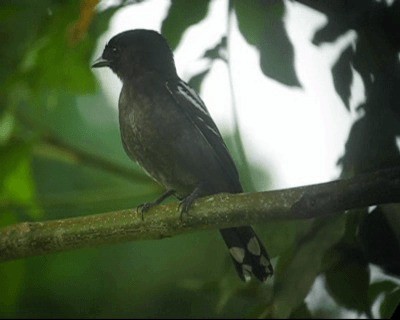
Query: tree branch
217	211
80	156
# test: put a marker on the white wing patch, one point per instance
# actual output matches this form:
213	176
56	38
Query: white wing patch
191	95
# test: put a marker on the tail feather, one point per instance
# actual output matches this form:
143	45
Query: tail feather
248	253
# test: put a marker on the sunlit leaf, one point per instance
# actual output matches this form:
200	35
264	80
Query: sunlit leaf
17	187
7	123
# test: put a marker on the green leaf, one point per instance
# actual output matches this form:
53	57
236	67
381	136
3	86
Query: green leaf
12	275
297	269
261	23
19	24
181	15
347	280
302	312
57	62
377	288
389	304
379	129
379	242
17	188
7	123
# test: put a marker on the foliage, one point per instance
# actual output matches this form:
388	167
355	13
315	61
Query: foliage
51	140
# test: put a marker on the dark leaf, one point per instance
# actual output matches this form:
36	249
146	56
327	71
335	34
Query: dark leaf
377	288
390	304
218	52
252	19
16	40
12	276
343	76
342	16
347	280
304	259
261	24
302	312
181	15
196	81
371	144
379	242
329	33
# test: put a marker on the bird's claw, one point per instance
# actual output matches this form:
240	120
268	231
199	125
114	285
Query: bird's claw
144	207
185	205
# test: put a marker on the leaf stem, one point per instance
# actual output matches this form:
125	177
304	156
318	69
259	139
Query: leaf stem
236	127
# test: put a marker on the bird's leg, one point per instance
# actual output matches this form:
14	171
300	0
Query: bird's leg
148	205
187	202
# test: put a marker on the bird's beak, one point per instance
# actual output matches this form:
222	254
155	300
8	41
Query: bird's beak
100	62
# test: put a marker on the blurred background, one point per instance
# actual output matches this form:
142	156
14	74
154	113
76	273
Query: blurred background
303	92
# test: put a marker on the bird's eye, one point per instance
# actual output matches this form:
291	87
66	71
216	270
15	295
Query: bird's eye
114	50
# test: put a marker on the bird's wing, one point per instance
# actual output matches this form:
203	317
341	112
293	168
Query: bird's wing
195	110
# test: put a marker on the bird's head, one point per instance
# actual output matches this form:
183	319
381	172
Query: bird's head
131	53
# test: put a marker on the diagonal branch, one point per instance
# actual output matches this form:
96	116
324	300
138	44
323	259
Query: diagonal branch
217	211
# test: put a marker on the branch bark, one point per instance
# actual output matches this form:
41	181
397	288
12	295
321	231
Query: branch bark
217	211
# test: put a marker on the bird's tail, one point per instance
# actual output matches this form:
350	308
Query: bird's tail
248	253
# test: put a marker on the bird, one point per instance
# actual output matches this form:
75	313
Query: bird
167	129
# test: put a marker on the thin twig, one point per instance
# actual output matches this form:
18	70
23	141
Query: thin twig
236	127
81	156
69	152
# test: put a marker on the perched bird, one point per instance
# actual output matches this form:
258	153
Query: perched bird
166	128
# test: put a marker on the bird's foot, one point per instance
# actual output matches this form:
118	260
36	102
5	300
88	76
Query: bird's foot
187	202
144	207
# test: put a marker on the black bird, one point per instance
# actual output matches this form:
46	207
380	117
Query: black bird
167	129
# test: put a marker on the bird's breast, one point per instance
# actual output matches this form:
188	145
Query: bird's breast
150	127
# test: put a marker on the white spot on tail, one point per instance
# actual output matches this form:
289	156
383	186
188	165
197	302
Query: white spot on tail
246	270
237	254
253	246
264	261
